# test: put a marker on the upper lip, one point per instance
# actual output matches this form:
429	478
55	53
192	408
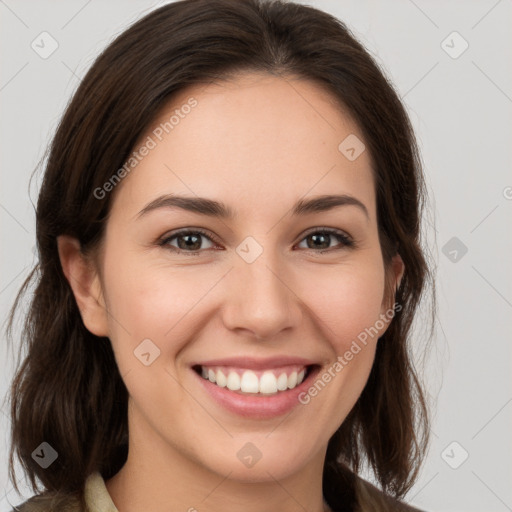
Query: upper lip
257	364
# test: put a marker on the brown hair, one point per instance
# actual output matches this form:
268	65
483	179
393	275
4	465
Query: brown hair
68	390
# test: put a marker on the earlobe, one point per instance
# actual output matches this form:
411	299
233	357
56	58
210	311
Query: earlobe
393	279
396	274
84	281
398	269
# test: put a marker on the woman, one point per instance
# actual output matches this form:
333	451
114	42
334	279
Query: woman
228	230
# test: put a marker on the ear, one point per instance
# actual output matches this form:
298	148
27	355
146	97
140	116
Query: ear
398	267
85	283
394	276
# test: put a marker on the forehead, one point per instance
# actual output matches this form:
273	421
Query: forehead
254	140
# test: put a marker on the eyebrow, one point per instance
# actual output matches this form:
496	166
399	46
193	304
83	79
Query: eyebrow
212	208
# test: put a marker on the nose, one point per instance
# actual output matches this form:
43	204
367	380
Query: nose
260	299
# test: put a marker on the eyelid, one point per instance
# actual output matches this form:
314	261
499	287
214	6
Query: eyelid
323	229
162	241
348	242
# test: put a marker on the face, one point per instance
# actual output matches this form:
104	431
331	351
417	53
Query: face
247	298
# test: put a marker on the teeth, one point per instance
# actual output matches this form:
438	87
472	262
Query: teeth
282	382
268	383
220	379
233	381
249	383
292	380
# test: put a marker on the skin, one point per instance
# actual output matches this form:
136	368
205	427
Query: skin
257	143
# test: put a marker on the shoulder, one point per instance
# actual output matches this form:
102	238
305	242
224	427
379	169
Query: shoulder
372	499
95	497
49	503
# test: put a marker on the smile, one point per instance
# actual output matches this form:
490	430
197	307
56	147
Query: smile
256	393
266	382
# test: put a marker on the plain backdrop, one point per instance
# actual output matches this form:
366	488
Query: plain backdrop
450	63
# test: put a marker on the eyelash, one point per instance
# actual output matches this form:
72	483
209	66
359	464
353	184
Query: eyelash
346	241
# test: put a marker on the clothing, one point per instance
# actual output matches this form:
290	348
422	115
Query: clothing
98	499
97	496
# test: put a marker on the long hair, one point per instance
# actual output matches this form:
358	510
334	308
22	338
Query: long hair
68	391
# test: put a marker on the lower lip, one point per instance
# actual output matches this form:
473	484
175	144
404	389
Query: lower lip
261	406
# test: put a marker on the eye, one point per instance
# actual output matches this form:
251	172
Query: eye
189	240
322	237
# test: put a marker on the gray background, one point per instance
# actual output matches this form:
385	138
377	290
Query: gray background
461	109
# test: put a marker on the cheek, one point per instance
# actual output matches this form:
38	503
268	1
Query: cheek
347	305
153	301
347	301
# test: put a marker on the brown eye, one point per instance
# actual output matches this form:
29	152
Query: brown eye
190	241
187	241
322	239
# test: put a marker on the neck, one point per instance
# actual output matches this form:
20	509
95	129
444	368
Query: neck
158	476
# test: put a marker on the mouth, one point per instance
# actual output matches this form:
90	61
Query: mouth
272	381
255	388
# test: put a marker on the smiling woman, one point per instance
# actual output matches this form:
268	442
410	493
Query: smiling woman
227	322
